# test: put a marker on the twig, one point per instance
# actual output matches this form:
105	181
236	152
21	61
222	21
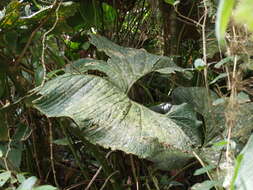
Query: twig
44	41
7	152
204	42
134	172
182	29
35	153
96	174
70	143
187	18
107	179
52	152
93	178
31	38
203	165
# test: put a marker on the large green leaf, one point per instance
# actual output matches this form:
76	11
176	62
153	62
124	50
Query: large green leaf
109	117
244	180
183	115
127	65
113	121
203	102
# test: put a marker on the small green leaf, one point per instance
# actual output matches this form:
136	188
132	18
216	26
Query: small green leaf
206	185
204	170
220	76
20	177
86	45
220	144
223	61
199	64
171	2
39	74
242	97
236	170
63	141
74	45
222	19
4	177
22	132
28	184
45	187
110	14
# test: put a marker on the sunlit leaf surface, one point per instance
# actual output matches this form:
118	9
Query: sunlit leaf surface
110	119
244	180
222	19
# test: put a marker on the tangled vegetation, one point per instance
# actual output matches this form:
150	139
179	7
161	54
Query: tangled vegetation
126	94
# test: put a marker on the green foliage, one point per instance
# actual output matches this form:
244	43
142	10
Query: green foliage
24	183
13	15
97	14
115	120
206	185
243	170
96	126
3	128
171	2
223	16
28	184
4	177
243	14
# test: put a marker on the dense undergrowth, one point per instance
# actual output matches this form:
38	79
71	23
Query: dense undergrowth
137	94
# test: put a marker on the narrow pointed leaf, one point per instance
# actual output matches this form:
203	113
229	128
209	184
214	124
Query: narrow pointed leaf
224	13
244	180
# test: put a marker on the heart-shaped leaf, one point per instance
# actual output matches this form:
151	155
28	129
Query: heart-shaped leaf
101	107
114	121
